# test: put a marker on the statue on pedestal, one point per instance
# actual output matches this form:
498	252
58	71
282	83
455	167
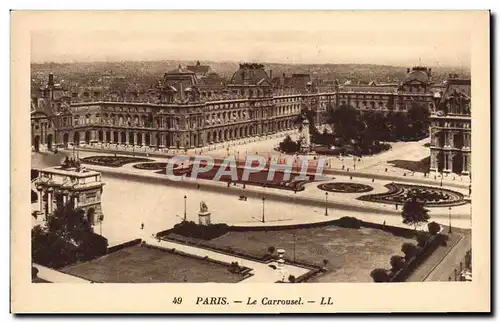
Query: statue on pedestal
203	214
203	207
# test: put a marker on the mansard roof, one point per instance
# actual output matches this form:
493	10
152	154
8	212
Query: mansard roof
250	74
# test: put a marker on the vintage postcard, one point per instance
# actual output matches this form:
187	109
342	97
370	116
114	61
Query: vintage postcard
250	161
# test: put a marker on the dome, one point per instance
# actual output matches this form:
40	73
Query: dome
249	74
417	75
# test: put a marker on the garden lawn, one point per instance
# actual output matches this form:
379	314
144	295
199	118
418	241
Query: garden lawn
352	253
150	265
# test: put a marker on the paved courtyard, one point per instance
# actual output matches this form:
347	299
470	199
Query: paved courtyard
162	204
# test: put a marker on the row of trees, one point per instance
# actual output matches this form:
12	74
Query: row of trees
410	252
362	133
350	124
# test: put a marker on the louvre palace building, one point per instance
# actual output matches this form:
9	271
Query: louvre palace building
193	107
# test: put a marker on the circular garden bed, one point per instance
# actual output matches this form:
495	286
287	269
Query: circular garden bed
112	161
345	187
432	196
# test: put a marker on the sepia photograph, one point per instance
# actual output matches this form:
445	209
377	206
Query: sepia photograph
243	150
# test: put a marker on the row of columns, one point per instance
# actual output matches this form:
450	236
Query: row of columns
449	137
447	160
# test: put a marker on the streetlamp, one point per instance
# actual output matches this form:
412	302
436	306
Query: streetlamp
185	214
263	218
326	203
449	217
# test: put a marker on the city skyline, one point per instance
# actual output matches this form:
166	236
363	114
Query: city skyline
443	41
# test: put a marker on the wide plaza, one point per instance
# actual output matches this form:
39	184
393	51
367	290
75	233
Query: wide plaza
134	197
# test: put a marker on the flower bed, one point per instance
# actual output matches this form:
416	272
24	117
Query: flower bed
255	179
112	161
432	196
345	187
151	166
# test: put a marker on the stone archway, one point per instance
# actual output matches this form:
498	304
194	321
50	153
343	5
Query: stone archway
49	142
457	165
65	140
131	138
139	139
123	138
101	136
76	139
87	137
147	139
91	216
440	161
36	143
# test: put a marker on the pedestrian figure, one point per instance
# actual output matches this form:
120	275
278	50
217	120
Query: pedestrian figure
142	226
386	169
373	180
384	223
351	177
396	206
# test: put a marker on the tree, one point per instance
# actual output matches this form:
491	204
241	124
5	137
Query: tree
396	125
433	228
397	262
291	279
414	213
67	237
376	122
422	238
379	275
410	250
418	120
289	146
346	121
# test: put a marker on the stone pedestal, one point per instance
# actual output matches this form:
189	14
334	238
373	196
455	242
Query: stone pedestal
204	218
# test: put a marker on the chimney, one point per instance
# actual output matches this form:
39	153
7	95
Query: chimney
271	74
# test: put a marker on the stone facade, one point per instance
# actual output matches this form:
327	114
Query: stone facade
193	108
57	186
451	129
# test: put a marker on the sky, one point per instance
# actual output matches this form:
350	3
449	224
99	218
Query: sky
433	38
